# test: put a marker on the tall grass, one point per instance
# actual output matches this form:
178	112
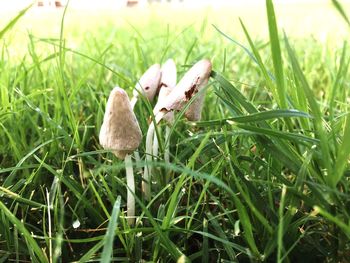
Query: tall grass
263	177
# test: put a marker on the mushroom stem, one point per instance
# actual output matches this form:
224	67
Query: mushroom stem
166	146
146	187
146	182
133	101
120	132
155	145
130	181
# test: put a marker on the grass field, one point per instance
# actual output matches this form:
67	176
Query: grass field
264	176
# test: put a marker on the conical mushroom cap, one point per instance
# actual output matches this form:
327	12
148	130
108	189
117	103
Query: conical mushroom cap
120	132
167	84
149	82
194	80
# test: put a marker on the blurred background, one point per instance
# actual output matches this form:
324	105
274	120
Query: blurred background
86	4
317	19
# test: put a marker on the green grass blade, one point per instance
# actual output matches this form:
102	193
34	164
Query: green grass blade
343	226
267	75
95	60
341	10
171	211
99	199
205	248
239	44
298	138
32	244
241	99
280	229
91	252
107	251
9	179
14	21
315	111
221	233
247	190
255	117
237	247
166	242
341	75
343	154
247	226
18	198
276	54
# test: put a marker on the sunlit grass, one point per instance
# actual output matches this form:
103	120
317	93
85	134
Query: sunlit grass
263	176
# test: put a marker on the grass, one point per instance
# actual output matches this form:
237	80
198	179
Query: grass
263	177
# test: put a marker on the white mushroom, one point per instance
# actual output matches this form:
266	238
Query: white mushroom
194	111
168	78
148	84
192	82
121	133
167	83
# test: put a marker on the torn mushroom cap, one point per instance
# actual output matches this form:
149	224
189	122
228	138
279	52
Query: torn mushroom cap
120	132
194	79
167	84
194	111
168	78
149	82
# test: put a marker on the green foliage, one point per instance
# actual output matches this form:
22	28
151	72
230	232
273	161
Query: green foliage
263	177
341	10
107	251
14	21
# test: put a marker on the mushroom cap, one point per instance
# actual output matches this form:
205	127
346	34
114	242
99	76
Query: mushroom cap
149	82
194	111
168	78
120	131
194	80
167	84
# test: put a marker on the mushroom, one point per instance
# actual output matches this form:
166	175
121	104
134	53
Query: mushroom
192	82
167	83
168	78
194	111
148	84
121	133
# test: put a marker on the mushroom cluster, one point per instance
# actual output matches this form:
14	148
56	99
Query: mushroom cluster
120	132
